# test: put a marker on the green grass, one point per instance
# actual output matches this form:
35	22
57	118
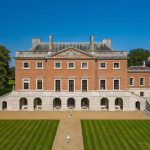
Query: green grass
27	134
116	134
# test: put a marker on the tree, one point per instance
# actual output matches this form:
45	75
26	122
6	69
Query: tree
12	73
137	56
4	69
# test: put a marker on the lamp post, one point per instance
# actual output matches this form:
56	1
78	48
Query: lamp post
68	137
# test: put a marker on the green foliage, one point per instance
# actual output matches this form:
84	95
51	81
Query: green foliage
4	69
116	134
12	73
137	56
27	134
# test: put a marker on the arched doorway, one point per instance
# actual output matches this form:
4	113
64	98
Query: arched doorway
85	103
104	103
71	103
37	103
137	105
23	103
4	105
57	103
119	104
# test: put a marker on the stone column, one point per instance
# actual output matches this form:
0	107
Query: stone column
111	103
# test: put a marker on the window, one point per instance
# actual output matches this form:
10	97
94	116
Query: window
26	84
84	65
116	84
102	65
71	85
39	65
141	81
116	65
103	84
131	81
84	85
26	65
39	84
141	93
71	65
57	65
57	85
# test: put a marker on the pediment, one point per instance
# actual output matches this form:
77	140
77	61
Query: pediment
72	53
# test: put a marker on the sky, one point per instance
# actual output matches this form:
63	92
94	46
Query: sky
126	22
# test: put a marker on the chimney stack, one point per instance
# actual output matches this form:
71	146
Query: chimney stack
92	43
107	41
35	42
50	42
144	63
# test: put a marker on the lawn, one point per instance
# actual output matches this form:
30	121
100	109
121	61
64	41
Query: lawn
27	134
116	134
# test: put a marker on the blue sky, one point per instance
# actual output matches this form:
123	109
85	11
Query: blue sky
126	22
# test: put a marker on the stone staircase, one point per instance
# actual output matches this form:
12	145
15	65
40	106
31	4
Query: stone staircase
4	97
147	101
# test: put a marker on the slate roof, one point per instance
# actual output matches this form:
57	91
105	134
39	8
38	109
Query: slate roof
138	68
57	46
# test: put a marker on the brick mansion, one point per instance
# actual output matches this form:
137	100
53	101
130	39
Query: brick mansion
61	76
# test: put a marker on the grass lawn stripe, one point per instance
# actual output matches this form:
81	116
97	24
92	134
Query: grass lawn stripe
134	133
41	134
32	136
36	135
142	137
104	136
9	134
112	141
127	143
21	136
52	134
83	126
117	134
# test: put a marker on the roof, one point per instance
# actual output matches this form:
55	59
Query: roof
57	46
138	68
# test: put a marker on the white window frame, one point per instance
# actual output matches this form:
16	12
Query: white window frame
143	81
86	63
68	64
129	81
114	63
37	65
55	85
24	82
87	85
24	63
119	84
37	84
74	85
100	65
105	84
55	65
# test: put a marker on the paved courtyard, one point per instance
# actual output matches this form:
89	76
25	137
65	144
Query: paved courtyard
70	124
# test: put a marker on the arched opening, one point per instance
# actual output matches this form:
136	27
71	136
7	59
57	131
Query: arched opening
137	105
37	103
57	103
85	103
23	103
4	105
104	103
119	103
71	103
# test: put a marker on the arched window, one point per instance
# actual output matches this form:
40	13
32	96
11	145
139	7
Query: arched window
37	103
119	103
23	103
85	103
57	103
4	105
71	103
104	103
